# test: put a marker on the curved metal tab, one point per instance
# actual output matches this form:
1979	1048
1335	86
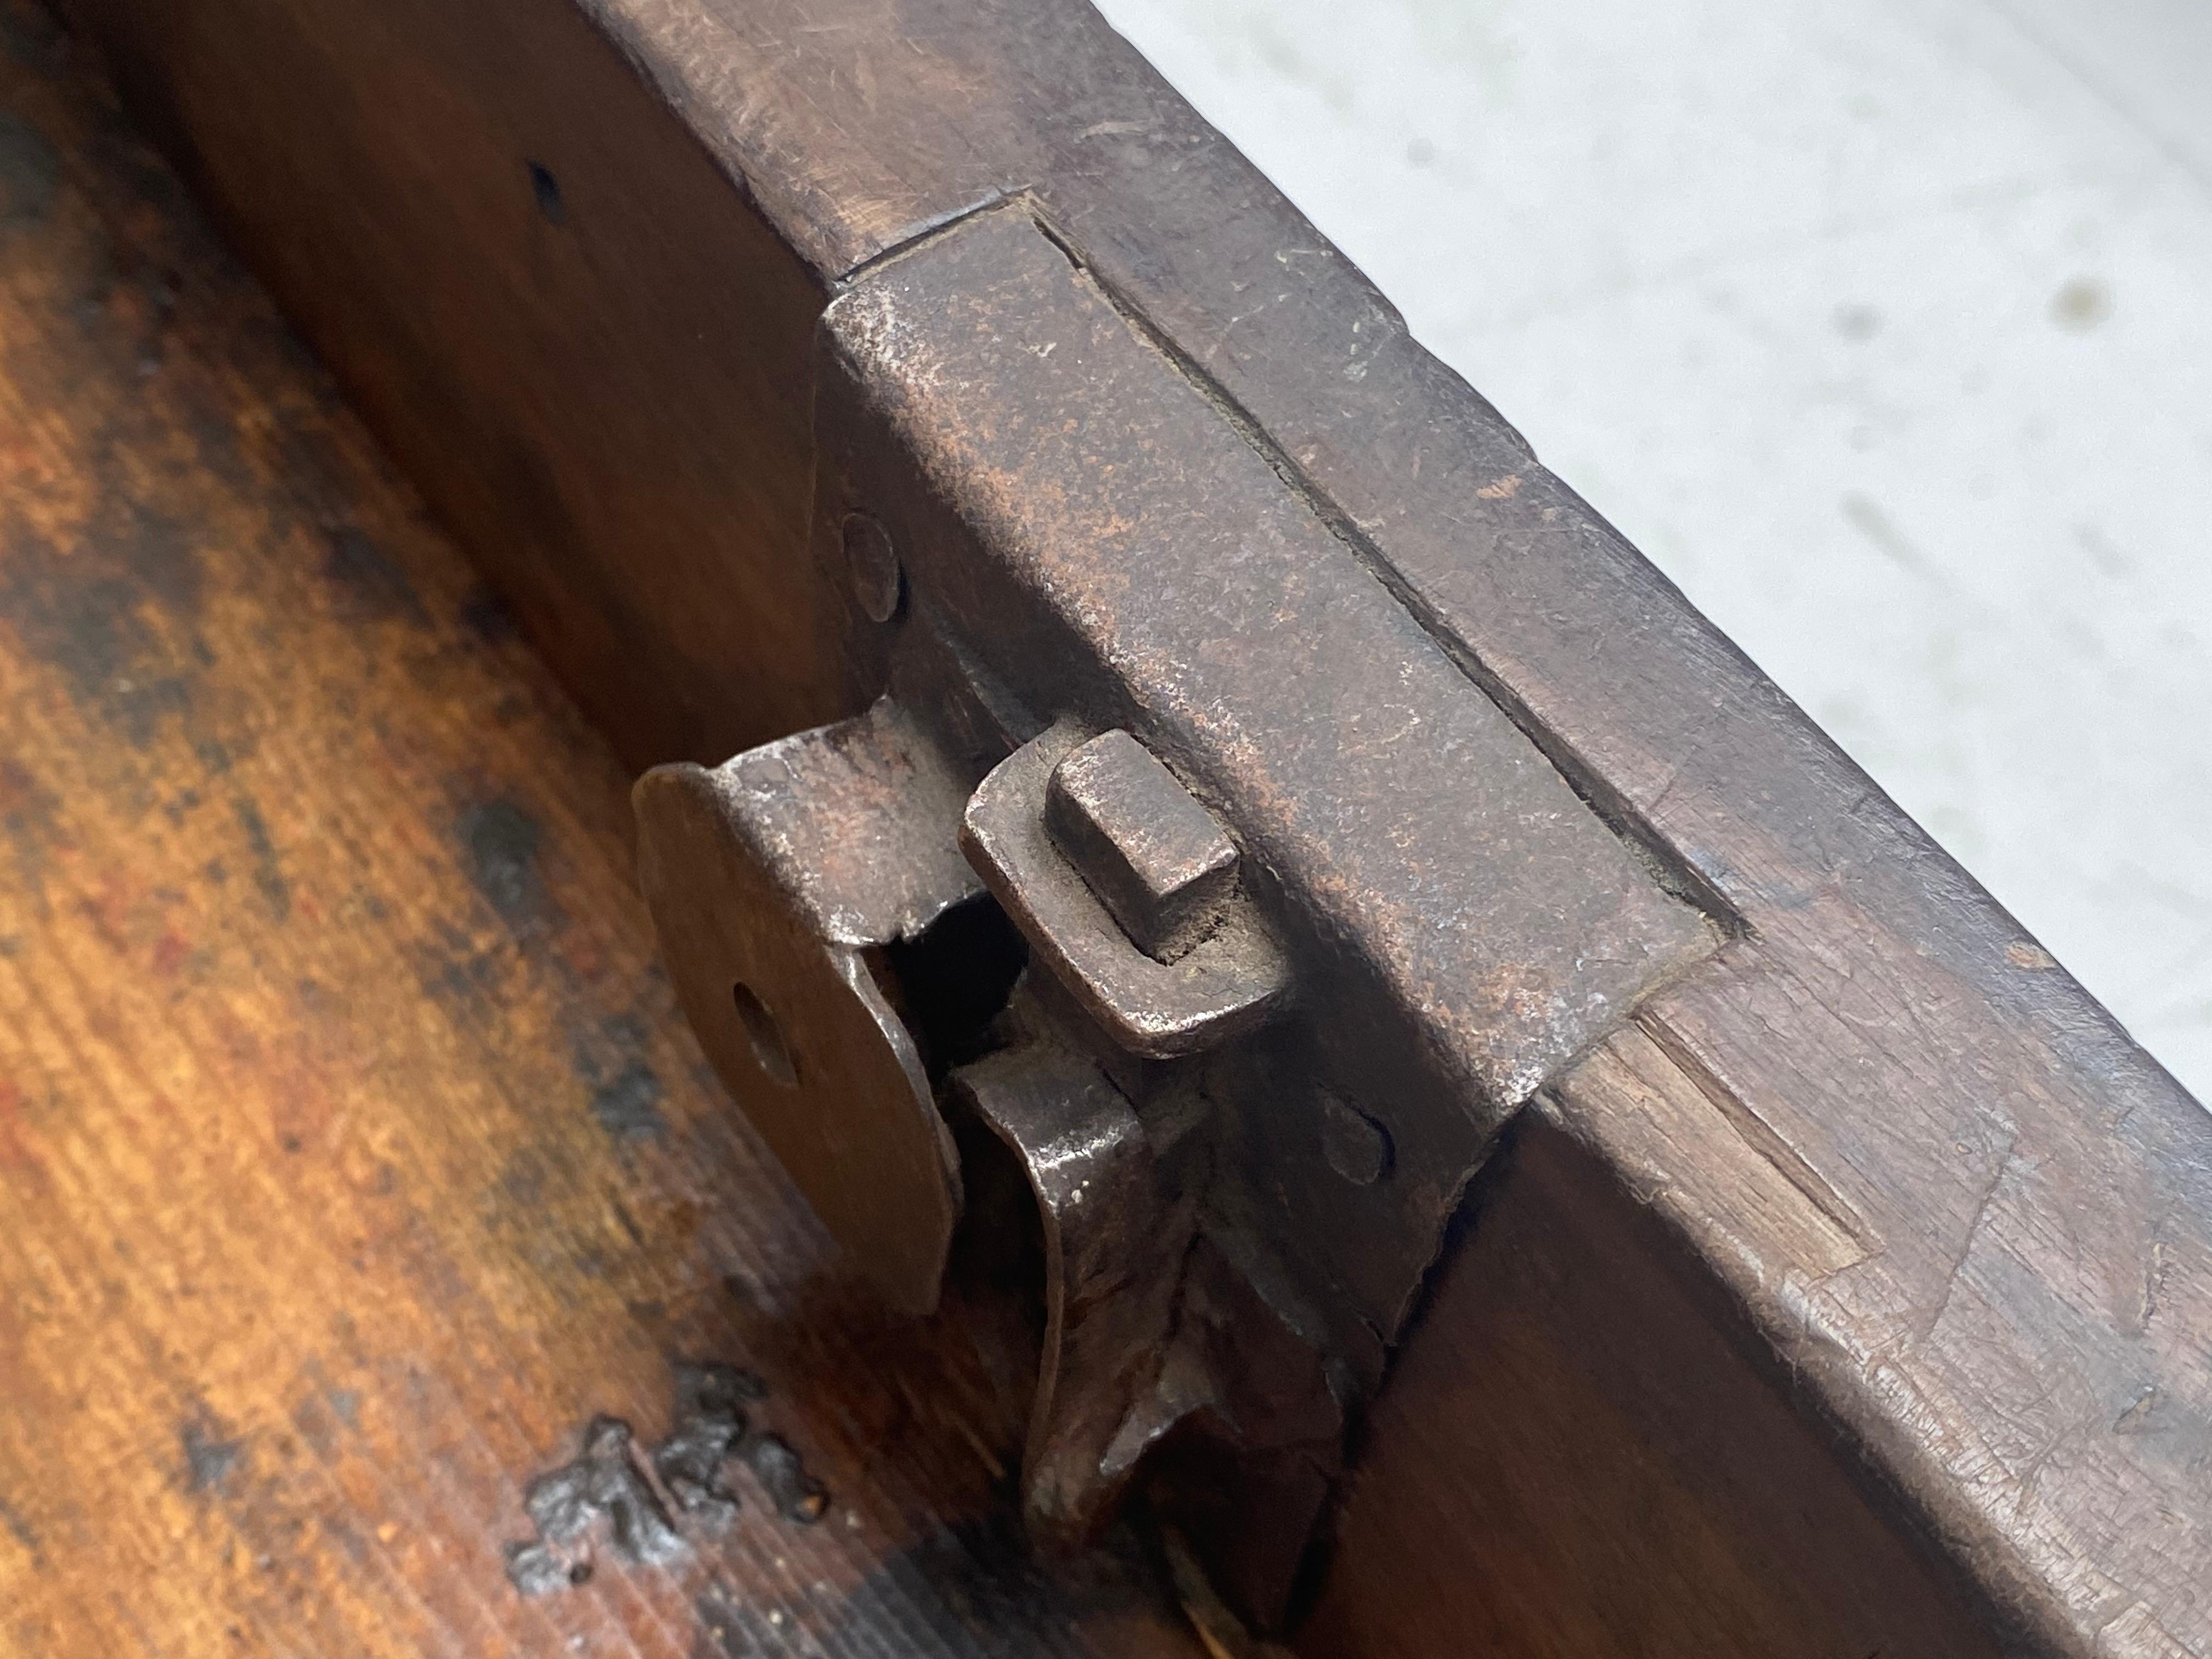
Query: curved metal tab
770	880
1114	1245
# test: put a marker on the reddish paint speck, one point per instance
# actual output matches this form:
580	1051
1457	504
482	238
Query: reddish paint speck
170	952
14	1152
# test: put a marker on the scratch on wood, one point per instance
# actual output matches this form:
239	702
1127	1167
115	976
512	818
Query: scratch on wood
2154	1285
1958	1264
1760	1135
2131	1421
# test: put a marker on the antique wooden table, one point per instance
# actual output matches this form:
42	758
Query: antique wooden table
1843	1286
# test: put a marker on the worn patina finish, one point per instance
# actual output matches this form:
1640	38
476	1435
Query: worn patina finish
1933	1205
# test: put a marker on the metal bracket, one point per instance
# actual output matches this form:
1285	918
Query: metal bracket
1307	916
775	880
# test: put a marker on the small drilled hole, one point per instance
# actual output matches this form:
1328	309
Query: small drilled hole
770	1052
547	189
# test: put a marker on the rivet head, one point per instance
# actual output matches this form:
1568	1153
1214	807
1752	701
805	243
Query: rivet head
873	565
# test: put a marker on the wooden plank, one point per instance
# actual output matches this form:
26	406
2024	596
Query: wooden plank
1616	1476
588	352
352	1155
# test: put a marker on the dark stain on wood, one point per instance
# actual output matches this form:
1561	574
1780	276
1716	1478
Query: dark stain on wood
985	1570
488	617
210	1454
18	1529
371	584
267	873
994	1601
629	1104
501	839
610	1059
30	817
30	173
797	1495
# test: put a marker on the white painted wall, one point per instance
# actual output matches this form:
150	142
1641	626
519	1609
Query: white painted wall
1884	327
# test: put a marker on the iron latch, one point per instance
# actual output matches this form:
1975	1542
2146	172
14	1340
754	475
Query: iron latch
1171	859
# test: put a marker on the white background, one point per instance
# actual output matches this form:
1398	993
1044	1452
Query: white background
1885	328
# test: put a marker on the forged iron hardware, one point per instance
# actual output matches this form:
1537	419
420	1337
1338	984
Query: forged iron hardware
771	879
1156	858
1216	988
778	880
1356	1145
1114	1240
1306	916
873	565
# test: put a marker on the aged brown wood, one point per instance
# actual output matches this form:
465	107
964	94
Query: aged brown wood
586	350
352	1154
1993	1284
1614	1473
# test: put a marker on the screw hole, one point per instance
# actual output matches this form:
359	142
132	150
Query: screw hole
770	1052
547	189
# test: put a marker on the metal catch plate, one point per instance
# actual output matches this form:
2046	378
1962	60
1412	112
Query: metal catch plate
1106	546
1307	915
771	880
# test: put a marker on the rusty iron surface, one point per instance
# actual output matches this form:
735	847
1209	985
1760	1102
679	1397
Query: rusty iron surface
770	880
1103	545
1113	1242
1320	944
1223	986
1155	857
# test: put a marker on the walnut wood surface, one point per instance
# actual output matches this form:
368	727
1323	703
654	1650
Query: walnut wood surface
588	353
2004	1309
1617	1474
351	1152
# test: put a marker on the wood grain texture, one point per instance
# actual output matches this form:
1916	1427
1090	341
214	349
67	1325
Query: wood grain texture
2022	1347
583	347
351	1153
1617	1476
